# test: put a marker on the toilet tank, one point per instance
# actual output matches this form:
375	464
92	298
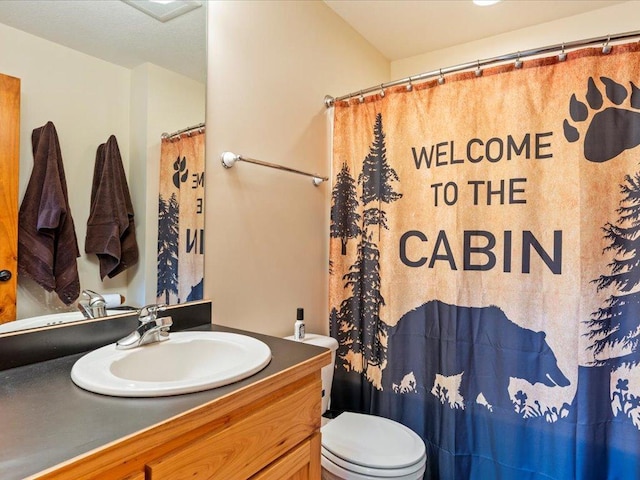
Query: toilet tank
327	371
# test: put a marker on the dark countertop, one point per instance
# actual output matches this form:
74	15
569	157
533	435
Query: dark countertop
45	419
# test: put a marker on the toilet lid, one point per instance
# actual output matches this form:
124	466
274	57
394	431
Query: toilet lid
373	442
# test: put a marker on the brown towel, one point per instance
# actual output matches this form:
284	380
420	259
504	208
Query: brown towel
47	244
111	233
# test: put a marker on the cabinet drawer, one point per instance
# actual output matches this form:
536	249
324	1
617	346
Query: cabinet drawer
301	463
247	445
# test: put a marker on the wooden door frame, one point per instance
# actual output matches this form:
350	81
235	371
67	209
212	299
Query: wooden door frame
9	171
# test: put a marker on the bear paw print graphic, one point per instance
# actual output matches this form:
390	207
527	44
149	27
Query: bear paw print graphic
611	130
182	172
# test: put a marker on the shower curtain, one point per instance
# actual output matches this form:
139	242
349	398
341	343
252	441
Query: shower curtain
181	219
485	266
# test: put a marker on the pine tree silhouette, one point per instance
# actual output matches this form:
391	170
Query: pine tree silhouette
617	324
344	332
344	218
359	327
376	178
168	219
333	322
364	305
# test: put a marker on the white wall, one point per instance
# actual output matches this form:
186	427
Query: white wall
618	18
270	65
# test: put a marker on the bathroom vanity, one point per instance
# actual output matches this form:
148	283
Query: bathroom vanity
264	427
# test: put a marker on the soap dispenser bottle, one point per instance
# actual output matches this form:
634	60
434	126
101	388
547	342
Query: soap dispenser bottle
298	329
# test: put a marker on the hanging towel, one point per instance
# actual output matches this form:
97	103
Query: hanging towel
47	243
111	231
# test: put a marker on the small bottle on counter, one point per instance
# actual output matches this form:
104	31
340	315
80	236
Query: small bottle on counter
298	328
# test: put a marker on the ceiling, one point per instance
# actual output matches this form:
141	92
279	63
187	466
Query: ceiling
115	32
405	28
120	34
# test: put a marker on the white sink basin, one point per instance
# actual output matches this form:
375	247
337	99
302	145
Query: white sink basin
187	362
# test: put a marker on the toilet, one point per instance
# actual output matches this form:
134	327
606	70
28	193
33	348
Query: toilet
396	452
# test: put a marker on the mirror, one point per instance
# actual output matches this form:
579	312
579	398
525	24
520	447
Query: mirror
98	68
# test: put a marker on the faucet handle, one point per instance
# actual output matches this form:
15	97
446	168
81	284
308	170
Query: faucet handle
149	313
93	304
164	323
92	296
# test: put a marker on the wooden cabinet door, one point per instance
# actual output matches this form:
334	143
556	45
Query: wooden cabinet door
9	166
301	463
265	434
135	476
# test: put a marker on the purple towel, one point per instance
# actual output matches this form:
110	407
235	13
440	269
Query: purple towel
111	233
47	244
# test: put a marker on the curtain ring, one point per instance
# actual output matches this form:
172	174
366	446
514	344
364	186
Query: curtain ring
606	48
478	70
441	79
518	63
361	97
409	86
563	55
382	89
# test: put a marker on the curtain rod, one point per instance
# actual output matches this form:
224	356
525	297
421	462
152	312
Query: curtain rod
166	135
329	101
229	159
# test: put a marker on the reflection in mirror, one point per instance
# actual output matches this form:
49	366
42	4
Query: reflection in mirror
49	320
98	68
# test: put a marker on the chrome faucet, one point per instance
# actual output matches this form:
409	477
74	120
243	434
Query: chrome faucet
151	329
92	305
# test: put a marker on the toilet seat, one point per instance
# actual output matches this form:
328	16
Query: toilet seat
339	473
342	467
394	452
